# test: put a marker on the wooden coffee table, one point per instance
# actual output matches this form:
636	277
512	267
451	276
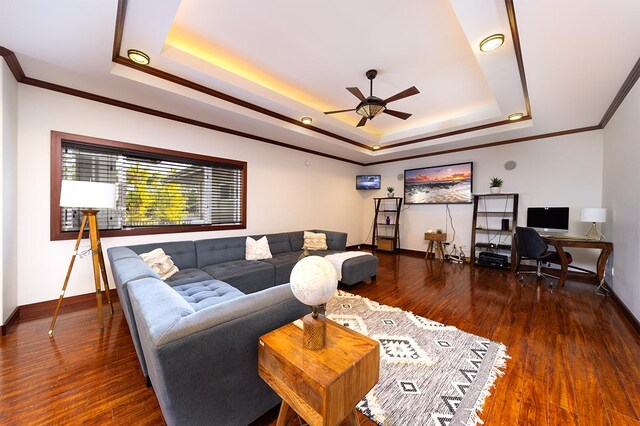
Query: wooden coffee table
322	386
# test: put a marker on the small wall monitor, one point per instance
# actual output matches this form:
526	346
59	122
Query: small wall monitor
368	182
548	219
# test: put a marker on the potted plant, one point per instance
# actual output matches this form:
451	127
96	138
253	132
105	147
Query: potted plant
495	184
390	191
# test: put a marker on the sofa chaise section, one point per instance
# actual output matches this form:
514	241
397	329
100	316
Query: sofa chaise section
203	363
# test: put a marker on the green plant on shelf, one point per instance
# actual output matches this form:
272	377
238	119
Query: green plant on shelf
495	182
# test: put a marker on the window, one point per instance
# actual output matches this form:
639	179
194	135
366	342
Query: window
157	190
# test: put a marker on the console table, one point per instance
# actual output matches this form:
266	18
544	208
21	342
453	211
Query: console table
323	386
560	242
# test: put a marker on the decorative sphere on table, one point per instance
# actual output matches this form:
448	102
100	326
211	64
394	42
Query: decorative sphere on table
314	280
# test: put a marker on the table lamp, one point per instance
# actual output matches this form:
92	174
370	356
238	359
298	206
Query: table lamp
88	196
314	281
594	215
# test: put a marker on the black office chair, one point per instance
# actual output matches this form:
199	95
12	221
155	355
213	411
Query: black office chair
530	245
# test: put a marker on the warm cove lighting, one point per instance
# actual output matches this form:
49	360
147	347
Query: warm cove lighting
515	116
307	120
138	57
492	42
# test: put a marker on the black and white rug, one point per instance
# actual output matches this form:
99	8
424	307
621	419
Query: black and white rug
430	373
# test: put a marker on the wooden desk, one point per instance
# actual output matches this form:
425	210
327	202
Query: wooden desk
322	386
559	243
438	239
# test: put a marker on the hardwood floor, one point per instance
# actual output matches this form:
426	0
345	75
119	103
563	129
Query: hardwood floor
575	359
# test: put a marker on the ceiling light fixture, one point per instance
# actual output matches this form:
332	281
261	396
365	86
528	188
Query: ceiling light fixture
376	147
515	116
306	120
492	42
138	57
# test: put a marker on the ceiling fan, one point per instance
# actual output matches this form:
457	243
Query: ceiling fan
372	106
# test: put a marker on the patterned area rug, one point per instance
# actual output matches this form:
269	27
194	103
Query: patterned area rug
430	373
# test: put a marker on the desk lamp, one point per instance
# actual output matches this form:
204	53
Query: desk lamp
88	196
313	282
594	215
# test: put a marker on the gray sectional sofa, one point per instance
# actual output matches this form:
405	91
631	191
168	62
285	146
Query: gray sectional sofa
196	334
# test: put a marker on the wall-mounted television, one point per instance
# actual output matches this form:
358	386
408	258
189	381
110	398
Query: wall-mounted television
368	182
448	184
548	219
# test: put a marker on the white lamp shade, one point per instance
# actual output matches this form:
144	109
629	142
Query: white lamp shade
314	280
89	195
593	214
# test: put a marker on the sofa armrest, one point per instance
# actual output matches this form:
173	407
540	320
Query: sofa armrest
204	365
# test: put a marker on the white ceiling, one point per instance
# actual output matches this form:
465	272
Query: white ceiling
296	58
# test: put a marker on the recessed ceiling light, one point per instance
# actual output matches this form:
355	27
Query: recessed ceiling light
492	42
515	116
138	57
307	120
376	147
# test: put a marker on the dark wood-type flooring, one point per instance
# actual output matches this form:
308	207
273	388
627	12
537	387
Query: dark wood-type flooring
575	359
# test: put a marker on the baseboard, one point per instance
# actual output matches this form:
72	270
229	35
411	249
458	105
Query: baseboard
627	313
356	247
4	328
45	309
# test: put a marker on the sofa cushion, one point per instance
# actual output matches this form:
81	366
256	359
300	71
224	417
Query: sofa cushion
160	262
248	276
220	250
188	276
257	249
207	293
283	264
313	241
335	240
278	243
183	253
296	239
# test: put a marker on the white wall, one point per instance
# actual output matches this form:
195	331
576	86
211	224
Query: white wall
283	193
621	196
559	171
8	212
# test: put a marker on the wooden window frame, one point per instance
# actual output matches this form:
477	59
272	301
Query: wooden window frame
57	138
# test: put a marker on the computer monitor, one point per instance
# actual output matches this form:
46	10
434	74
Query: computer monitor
548	219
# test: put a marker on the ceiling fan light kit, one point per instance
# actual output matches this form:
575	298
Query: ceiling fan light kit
372	106
138	56
492	42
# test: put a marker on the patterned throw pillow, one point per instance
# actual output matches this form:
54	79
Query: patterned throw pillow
161	263
313	241
257	250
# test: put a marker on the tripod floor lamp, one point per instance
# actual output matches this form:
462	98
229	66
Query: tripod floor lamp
88	196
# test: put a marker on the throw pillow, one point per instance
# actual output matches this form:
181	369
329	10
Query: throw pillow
161	263
257	250
313	241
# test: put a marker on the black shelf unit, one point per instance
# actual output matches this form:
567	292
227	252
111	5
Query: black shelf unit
386	236
486	228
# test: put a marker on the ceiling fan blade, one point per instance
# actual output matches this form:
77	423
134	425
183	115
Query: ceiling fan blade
404	94
357	93
362	122
402	115
341	110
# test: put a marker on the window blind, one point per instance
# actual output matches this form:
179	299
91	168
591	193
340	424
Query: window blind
154	190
